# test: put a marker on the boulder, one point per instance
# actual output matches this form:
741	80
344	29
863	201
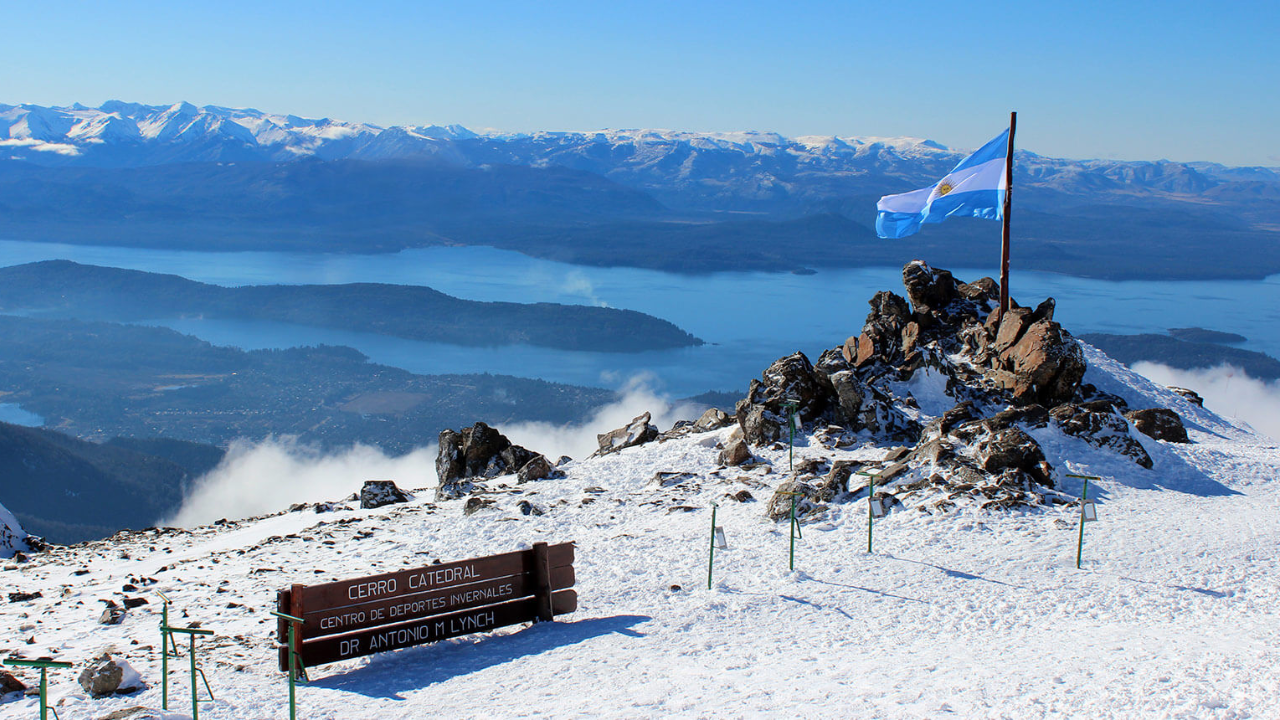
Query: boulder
1159	423
807	503
376	493
712	419
477	452
528	508
1047	365
476	504
1101	429
929	291
10	684
735	451
104	676
1011	449
982	290
636	432
539	468
1191	396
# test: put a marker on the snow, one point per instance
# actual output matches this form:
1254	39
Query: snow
968	614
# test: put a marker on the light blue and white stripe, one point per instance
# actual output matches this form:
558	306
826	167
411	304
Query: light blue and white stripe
976	188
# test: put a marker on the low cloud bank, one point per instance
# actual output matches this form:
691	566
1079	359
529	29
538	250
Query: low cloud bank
579	440
1227	391
269	476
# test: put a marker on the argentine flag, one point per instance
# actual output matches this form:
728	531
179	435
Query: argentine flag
975	187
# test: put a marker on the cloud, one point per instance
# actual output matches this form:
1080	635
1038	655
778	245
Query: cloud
1227	391
579	440
577	283
269	476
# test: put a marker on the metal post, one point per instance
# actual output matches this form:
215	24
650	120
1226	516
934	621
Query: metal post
195	690
164	652
792	532
44	666
293	659
871	496
711	555
1084	497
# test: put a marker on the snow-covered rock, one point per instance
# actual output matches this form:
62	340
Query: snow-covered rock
12	537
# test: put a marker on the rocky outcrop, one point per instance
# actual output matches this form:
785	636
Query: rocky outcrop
376	493
13	539
1159	423
636	432
1108	430
1005	374
1190	396
480	452
829	393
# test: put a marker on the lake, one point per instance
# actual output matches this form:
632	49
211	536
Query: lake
747	319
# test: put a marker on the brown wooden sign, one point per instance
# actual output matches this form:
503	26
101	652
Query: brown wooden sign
351	618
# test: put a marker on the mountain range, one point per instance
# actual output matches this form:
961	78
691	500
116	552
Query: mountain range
221	178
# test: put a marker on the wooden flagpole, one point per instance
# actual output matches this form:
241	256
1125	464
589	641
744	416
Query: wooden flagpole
1008	207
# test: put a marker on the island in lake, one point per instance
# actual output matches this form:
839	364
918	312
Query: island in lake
65	289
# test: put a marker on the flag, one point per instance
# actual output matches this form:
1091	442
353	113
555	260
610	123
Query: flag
976	187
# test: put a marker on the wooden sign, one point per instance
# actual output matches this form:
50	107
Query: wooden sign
352	618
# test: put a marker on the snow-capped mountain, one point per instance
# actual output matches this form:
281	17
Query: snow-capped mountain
732	170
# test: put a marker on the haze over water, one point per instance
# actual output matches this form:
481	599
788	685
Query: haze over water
747	319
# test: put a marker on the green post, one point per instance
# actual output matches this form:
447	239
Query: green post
711	556
1084	497
871	516
195	695
871	495
44	666
293	649
164	652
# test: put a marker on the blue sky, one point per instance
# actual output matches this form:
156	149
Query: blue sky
1127	80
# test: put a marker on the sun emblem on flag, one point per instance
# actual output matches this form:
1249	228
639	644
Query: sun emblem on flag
945	187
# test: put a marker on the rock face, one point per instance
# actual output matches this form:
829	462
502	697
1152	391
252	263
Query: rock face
480	452
636	432
1159	423
377	493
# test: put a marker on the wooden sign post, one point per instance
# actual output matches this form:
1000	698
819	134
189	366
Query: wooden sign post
352	618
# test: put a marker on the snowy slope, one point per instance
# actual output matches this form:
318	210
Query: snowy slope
12	537
967	614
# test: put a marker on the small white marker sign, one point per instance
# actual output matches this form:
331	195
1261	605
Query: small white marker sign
1089	511
721	543
877	509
